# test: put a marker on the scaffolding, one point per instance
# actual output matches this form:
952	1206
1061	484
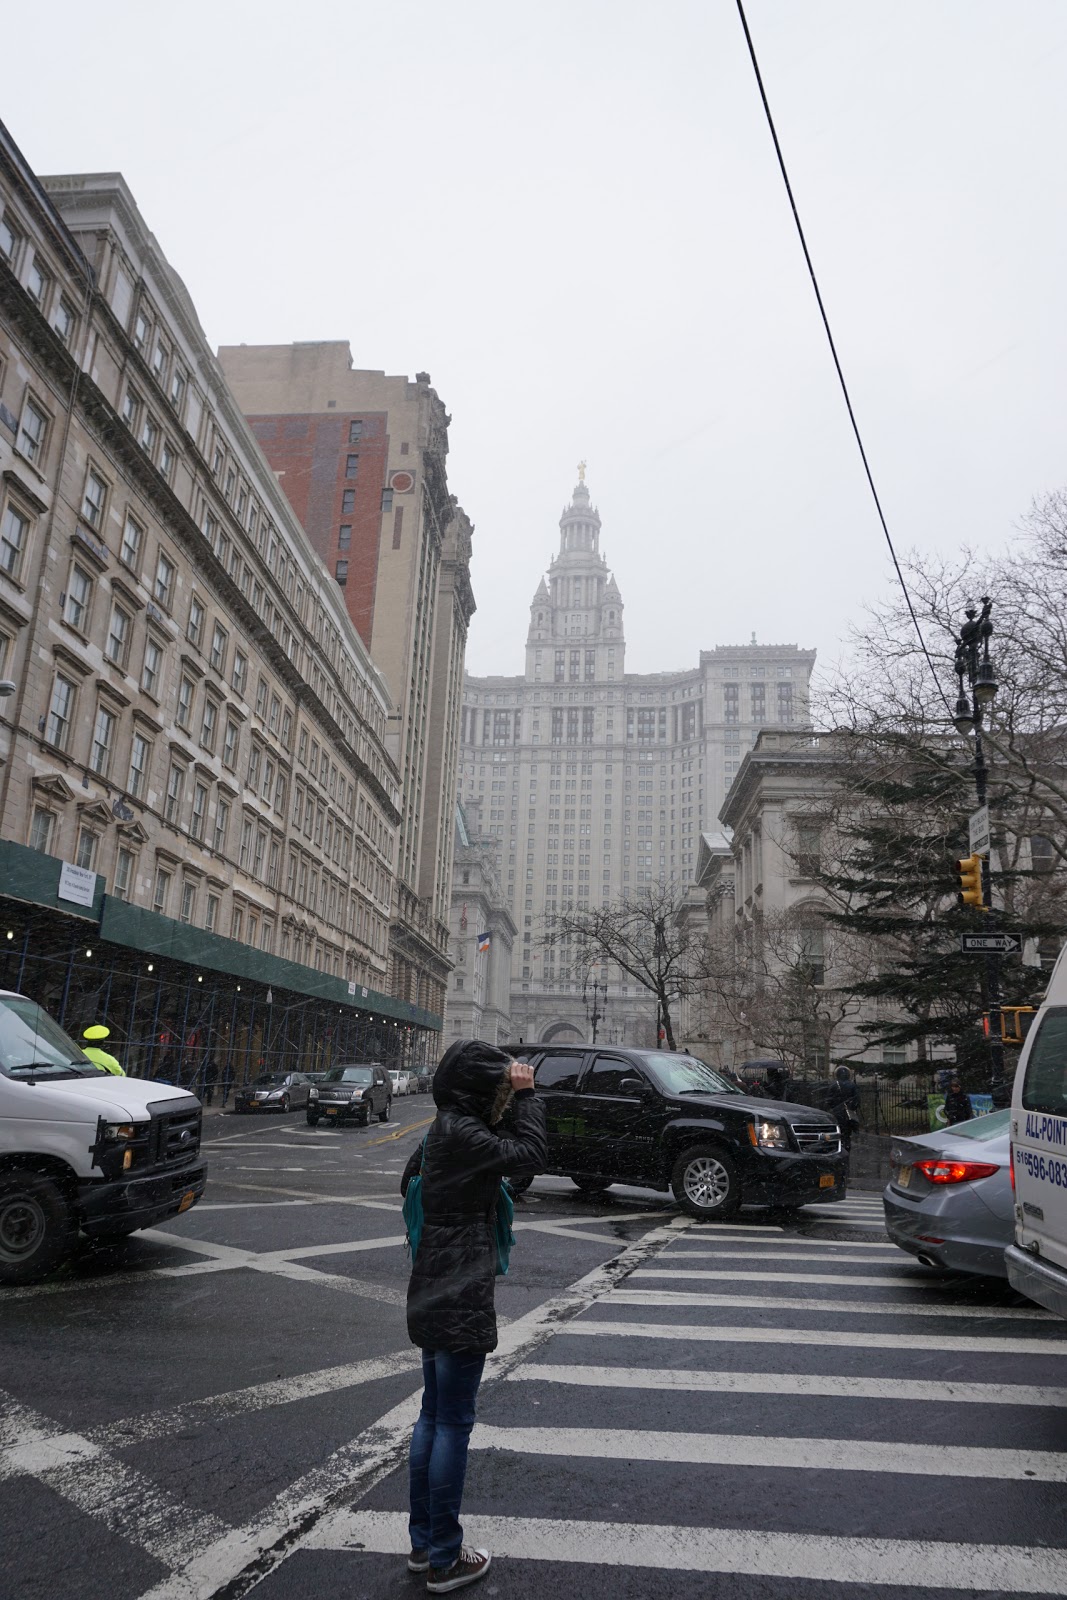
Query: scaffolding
168	1019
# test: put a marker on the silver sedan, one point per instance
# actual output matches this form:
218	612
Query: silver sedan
273	1091
949	1198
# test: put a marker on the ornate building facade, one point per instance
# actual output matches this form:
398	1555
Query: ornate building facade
199	808
597	782
361	457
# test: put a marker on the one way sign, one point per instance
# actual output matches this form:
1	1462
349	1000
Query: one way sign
1001	944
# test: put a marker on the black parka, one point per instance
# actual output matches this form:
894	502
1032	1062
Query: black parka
453	1279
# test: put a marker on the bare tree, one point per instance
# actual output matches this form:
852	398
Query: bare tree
639	935
784	984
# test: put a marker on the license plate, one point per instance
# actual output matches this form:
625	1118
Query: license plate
826	1181
331	1111
904	1177
187	1200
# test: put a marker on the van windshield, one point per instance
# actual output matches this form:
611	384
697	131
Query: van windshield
32	1045
1045	1084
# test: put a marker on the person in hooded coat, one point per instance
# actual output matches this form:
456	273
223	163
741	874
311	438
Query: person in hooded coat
451	1313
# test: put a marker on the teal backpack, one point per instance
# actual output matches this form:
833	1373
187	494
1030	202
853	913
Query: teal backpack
503	1218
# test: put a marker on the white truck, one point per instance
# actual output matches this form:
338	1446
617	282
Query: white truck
1037	1261
81	1149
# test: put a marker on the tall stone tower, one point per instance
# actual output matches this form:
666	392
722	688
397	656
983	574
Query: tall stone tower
595	783
576	614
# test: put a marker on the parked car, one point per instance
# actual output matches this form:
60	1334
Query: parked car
664	1120
273	1091
82	1150
1036	1259
401	1081
949	1199
354	1091
425	1080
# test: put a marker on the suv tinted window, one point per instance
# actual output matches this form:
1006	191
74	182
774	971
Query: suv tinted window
1045	1084
558	1072
607	1075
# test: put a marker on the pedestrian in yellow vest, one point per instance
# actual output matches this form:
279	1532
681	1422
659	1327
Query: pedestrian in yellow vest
100	1057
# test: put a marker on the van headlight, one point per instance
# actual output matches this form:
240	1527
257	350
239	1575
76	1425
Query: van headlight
766	1135
119	1130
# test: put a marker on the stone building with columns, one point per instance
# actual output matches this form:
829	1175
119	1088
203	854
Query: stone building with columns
482	934
597	782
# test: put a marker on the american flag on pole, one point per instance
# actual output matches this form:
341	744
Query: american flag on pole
484	941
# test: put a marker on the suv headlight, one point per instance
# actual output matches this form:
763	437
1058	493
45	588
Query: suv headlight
313	1093
769	1135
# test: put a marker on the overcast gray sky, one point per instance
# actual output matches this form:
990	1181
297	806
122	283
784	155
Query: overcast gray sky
570	215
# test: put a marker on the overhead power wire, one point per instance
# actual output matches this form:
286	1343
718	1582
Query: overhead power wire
833	352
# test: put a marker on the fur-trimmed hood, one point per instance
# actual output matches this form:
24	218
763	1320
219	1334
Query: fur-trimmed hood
475	1078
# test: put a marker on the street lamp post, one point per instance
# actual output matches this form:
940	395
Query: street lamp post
973	664
596	1016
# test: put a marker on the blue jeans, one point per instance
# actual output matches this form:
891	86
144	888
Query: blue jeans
438	1460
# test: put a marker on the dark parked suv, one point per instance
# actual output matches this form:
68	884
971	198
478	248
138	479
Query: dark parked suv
666	1121
354	1091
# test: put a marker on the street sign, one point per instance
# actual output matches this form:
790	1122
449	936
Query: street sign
979	831
1000	944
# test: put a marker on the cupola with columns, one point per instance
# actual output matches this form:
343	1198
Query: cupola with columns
577	610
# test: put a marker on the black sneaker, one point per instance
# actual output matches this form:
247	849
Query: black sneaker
419	1561
468	1567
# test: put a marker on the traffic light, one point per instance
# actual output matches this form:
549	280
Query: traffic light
970	871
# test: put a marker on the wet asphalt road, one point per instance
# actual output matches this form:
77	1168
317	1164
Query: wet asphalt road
778	1407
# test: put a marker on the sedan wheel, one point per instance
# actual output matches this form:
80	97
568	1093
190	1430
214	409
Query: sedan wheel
286	1103
705	1182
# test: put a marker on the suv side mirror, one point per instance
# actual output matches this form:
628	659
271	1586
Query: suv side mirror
633	1085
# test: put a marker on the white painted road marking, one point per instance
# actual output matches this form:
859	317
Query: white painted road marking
257	1397
979	1343
744	1275
284	1525
833	1385
897	1563
126	1501
869	1308
784	1451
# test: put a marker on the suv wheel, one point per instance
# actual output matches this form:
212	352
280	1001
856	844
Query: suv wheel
35	1227
313	1119
383	1116
705	1182
588	1184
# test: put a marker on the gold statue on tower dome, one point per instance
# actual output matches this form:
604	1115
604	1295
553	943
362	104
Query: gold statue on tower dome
581	471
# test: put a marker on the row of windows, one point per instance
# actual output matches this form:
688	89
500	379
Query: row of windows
38	280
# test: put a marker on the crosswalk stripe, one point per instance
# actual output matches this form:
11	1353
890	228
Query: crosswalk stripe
871	1308
741	1275
812	1253
824	1337
896	1563
834	1385
781	1451
796	1241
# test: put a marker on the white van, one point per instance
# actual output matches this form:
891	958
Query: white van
1037	1261
81	1149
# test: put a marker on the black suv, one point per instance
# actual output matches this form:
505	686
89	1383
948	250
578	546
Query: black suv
355	1090
661	1120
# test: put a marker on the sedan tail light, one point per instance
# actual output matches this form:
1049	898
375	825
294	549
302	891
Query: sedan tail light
941	1170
